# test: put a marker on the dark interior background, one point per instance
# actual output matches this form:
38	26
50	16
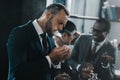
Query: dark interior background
14	13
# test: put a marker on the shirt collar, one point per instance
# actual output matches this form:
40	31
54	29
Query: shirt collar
100	43
37	27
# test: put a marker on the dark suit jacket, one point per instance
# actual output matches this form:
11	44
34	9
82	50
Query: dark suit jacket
26	57
81	51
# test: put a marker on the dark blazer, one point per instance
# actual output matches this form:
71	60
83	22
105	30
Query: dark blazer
26	57
81	51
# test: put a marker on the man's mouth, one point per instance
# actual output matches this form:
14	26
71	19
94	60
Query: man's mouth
95	36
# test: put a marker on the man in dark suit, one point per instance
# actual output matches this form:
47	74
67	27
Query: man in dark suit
100	60
29	57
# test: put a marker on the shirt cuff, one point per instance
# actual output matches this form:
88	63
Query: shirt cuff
104	65
58	66
49	61
77	67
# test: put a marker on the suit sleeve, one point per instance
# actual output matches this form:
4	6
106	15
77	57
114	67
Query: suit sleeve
17	54
108	71
73	61
111	68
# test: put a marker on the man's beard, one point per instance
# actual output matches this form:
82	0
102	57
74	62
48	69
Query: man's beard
49	28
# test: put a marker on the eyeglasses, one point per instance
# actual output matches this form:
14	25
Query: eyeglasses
100	31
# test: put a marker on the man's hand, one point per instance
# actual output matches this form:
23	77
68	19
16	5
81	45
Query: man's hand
62	76
86	70
59	54
105	58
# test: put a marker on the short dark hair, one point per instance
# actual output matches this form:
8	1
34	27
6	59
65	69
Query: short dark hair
104	21
56	7
69	27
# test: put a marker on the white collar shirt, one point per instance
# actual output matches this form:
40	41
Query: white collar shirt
98	46
39	32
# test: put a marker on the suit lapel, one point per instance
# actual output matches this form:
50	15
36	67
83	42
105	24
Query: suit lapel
51	43
88	47
100	52
34	38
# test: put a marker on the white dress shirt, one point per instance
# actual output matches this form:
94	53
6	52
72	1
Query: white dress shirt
40	31
98	46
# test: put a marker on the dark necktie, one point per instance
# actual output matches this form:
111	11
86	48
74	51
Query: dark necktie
94	48
44	42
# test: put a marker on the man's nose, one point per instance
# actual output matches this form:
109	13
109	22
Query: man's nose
95	32
60	27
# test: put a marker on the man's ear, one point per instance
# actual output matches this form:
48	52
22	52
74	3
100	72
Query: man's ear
105	33
64	34
48	15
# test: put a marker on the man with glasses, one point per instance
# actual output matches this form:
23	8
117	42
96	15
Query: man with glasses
94	56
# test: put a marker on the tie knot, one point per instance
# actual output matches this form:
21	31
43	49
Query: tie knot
96	43
43	35
94	47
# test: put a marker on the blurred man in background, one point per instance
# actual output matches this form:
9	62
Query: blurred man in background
65	37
